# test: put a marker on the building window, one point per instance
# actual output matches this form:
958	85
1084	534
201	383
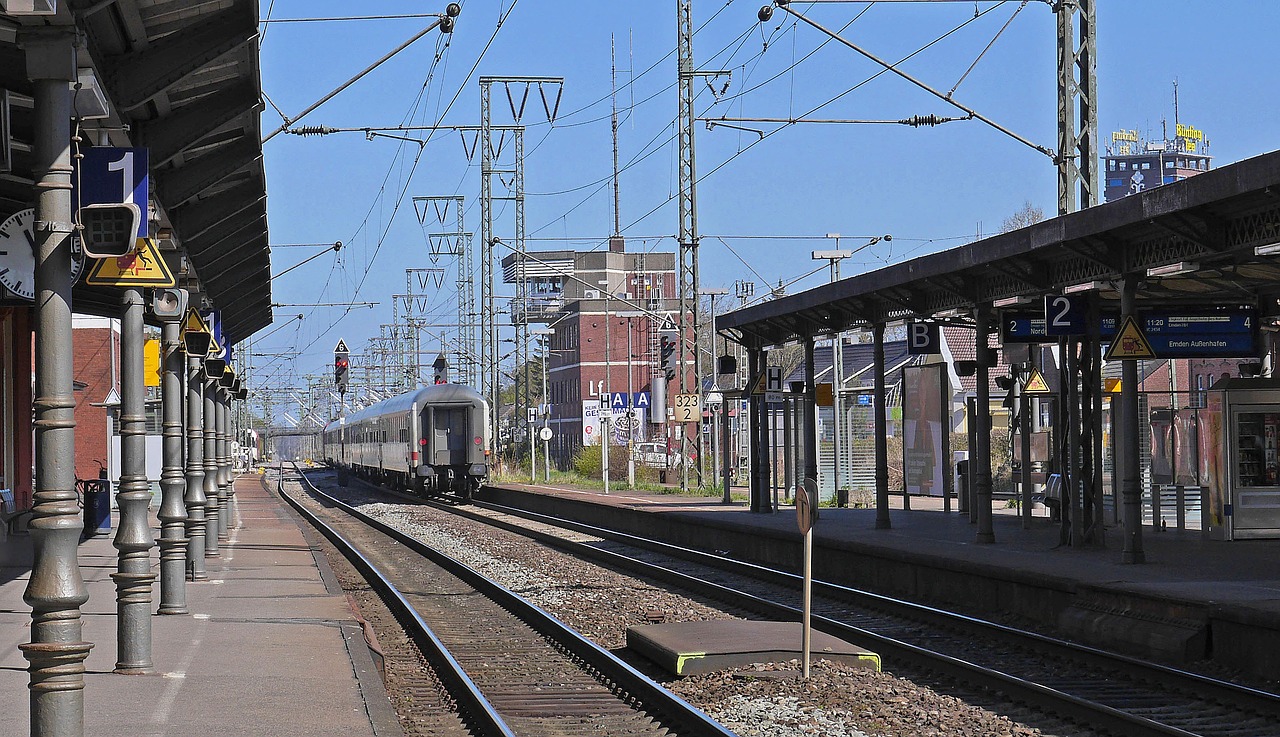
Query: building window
1168	165
1146	165
1110	164
1124	165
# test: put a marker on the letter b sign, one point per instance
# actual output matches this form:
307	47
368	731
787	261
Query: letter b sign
923	338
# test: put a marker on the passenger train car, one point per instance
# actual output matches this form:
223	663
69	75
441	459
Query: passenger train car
433	440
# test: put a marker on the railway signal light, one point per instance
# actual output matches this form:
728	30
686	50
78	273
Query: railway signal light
667	349
440	370
341	366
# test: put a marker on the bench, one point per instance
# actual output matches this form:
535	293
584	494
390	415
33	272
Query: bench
10	515
1051	497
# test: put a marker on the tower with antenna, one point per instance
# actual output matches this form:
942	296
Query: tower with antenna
1135	162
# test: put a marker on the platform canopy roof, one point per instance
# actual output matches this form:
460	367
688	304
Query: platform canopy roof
180	78
1206	228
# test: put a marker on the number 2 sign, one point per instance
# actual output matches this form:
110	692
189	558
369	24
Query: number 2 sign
109	174
1064	314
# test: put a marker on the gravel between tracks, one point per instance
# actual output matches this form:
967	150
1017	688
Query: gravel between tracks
764	700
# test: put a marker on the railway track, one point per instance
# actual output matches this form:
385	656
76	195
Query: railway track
1106	691
510	667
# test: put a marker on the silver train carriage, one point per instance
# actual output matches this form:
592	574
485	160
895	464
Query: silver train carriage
433	440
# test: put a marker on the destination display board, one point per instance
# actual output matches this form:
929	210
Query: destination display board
1171	332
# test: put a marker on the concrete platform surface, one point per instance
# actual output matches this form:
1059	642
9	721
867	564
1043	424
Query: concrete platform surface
690	648
270	647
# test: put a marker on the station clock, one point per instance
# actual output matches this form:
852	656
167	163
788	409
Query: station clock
18	254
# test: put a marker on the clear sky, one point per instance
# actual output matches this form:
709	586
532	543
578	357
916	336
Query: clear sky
931	188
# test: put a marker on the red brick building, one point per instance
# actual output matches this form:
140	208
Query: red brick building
96	351
16	370
593	300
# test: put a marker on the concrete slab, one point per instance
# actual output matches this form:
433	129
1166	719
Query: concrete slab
690	648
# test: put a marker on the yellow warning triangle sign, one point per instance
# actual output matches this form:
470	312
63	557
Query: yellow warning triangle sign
194	323
1036	383
1130	343
758	386
142	267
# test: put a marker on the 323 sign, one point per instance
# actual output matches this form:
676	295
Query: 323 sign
688	408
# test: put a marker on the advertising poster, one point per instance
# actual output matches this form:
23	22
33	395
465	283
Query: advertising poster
590	422
924	453
628	423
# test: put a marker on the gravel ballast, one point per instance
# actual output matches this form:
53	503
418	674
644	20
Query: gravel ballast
764	699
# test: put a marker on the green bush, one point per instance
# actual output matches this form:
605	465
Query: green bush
586	463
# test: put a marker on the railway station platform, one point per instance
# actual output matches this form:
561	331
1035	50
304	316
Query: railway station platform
1192	600
270	646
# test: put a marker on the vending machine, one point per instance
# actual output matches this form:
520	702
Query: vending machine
1239	431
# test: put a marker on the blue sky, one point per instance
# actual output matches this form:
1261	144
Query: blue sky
931	188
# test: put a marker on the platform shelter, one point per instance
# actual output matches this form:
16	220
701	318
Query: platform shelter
1204	251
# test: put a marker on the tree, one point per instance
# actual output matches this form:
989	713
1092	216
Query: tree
1028	215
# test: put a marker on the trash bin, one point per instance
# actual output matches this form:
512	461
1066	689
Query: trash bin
842	498
97	506
962	485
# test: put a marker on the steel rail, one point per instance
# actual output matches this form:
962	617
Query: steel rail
477	711
1204	686
1062	703
676	714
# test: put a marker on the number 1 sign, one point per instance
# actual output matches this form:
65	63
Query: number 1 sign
108	175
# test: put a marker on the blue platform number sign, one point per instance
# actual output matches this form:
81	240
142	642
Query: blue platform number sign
110	174
1064	314
923	338
213	318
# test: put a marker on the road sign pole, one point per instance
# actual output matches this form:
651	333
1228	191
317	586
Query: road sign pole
806	497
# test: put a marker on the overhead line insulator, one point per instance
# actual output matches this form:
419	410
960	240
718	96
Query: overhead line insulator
312	130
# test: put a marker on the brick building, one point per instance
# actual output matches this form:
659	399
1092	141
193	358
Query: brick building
96	351
603	311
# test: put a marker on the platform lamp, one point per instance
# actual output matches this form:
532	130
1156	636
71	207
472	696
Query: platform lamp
228	378
196	338
215	365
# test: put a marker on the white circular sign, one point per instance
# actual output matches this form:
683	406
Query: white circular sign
545	433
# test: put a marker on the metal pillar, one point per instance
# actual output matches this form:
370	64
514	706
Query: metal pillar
213	505
810	424
982	421
56	590
194	498
1130	488
133	538
173	514
726	467
1077	94
759	471
688	283
224	472
1073	486
488	313
789	477
882	430
233	509
1025	405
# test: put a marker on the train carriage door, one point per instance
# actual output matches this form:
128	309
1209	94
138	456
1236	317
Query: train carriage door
451	433
415	447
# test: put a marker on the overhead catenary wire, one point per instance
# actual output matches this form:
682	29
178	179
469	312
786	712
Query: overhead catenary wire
382	238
